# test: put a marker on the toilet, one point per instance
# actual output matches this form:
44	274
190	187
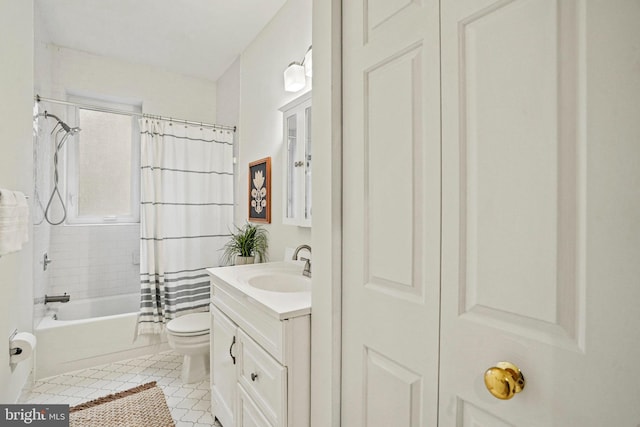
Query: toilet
189	335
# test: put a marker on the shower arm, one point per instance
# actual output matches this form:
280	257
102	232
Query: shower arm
65	126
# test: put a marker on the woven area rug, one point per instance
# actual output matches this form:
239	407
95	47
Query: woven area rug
142	406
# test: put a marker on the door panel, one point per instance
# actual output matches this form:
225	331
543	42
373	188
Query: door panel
472	416
401	403
390	144
391	213
518	177
509	159
527	255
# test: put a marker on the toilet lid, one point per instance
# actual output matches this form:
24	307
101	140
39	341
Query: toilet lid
189	323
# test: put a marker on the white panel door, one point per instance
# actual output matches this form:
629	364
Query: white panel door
391	212
541	211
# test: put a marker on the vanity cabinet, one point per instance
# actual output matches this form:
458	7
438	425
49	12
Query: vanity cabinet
297	157
260	361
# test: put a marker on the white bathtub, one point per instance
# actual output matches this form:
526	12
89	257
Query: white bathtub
85	333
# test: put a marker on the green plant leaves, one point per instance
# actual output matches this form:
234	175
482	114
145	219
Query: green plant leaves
248	240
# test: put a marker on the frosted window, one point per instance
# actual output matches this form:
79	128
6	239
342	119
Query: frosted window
104	164
292	132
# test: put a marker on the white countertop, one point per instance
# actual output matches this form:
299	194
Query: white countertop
282	305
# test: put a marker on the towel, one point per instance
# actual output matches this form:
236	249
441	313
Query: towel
14	221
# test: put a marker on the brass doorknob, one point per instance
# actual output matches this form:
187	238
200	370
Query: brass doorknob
504	380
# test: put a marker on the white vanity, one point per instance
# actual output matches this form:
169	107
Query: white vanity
260	345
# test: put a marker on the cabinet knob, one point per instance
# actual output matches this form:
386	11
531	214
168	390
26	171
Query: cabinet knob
254	376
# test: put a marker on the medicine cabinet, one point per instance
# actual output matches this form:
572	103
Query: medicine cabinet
297	161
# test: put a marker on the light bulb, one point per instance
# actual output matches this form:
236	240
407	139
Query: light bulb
294	77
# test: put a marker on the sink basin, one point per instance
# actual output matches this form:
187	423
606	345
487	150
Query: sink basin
280	282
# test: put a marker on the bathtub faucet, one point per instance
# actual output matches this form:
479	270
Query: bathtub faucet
57	298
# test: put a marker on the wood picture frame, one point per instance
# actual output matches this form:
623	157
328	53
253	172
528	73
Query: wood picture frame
260	191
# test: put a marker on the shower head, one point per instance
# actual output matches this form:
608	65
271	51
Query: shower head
64	126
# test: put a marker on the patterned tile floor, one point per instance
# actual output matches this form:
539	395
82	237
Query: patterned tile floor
190	404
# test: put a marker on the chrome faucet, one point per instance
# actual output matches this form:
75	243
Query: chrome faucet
57	298
307	261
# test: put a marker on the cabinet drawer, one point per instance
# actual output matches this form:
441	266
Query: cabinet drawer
264	379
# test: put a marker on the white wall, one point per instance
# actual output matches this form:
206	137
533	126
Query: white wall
228	112
93	261
16	87
228	96
160	92
285	39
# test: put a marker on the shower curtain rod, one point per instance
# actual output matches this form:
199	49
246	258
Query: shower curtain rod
39	98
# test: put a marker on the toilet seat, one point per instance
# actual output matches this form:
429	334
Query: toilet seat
189	325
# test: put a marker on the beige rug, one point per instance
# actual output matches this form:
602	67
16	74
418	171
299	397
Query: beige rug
142	406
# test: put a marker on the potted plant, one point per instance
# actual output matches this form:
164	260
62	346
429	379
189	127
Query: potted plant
247	243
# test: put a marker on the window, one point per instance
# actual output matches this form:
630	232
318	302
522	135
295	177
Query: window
103	165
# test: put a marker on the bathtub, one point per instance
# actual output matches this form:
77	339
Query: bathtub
85	333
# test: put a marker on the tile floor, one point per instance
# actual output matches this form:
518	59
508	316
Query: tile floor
190	404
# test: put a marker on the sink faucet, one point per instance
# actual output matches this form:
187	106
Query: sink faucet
307	261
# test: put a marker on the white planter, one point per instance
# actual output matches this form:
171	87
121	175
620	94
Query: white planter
241	260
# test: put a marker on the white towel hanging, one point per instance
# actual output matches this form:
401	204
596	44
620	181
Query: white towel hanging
14	221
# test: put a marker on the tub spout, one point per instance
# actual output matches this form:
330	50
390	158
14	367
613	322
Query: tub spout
57	298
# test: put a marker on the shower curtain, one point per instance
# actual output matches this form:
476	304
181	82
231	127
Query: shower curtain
185	218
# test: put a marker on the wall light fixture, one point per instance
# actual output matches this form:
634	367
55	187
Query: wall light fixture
296	73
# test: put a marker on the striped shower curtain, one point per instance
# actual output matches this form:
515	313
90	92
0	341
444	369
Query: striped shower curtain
185	217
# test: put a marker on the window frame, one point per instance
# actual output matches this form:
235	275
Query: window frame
72	158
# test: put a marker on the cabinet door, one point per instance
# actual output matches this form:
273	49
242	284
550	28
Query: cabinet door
297	157
248	414
223	367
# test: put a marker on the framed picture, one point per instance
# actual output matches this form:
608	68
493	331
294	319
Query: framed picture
260	190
